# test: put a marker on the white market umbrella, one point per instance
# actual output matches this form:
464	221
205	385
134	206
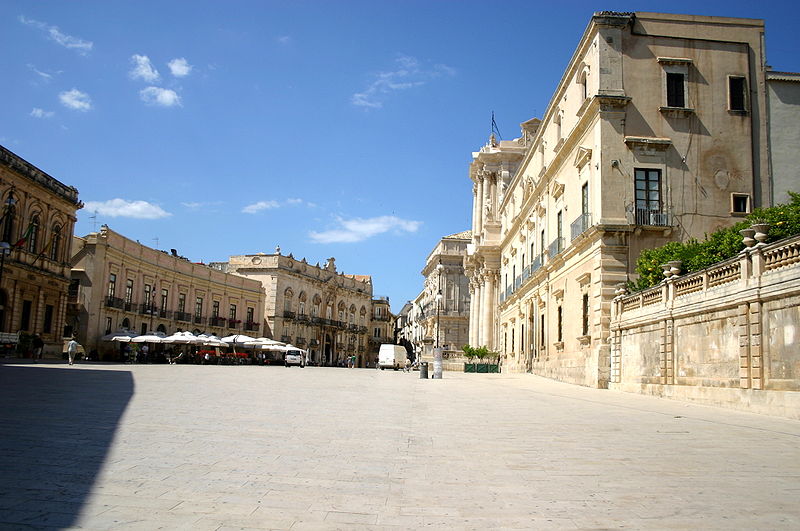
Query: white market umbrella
287	348
237	339
183	338
149	338
211	340
262	342
121	335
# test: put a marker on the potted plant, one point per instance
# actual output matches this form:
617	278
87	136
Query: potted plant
482	353
469	353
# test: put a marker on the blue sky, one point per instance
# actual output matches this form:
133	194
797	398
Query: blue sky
338	129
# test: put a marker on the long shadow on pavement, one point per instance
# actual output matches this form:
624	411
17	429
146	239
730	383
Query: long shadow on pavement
56	427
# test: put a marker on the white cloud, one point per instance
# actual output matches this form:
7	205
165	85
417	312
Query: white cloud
160	96
259	206
75	99
179	67
122	208
294	201
46	76
359	229
407	74
284	39
143	69
67	41
41	113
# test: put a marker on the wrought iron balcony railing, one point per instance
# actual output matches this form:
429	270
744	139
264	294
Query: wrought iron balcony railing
580	225
556	247
114	302
648	217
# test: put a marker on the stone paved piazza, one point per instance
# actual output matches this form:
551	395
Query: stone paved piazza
220	447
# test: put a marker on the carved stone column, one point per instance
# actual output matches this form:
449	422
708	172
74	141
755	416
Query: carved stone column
475	208
479	293
479	206
490	299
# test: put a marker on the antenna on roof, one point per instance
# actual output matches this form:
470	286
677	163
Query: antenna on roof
156	240
93	217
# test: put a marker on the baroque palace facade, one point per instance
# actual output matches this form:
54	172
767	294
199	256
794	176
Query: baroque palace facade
118	283
441	314
656	132
331	314
38	217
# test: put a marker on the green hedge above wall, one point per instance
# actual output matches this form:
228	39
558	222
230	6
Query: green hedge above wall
784	221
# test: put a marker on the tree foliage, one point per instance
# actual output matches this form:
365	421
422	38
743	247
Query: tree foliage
784	221
477	352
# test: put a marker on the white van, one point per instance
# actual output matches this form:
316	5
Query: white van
392	357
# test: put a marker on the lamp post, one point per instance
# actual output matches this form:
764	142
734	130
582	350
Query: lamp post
437	351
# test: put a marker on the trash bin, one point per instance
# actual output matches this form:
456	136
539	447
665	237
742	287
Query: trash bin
423	370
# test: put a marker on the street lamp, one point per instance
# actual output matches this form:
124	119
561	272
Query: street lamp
437	351
439	269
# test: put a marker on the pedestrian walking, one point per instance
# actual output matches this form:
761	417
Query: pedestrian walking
37	345
72	349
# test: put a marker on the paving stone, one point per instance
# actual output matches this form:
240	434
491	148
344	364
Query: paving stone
103	446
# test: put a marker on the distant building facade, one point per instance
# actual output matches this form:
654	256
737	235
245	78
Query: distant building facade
783	99
331	314
442	321
38	217
656	132
118	283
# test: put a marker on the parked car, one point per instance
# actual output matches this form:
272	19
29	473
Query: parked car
294	357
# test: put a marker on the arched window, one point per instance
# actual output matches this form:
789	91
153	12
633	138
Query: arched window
557	121
287	300
33	234
55	244
9	213
161	328
126	324
582	81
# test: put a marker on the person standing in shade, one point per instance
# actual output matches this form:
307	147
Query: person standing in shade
37	345
72	349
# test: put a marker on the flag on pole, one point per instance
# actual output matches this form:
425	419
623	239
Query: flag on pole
44	251
495	129
25	236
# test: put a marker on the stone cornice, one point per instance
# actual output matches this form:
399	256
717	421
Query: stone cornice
586	120
28	170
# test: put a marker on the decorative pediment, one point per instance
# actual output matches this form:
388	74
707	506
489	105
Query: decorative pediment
583	156
558	294
540	210
674	60
556	189
648	142
584	278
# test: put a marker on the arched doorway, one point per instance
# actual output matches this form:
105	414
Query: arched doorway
161	328
126	324
3	301
328	350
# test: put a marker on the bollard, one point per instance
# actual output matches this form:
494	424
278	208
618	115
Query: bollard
437	363
423	370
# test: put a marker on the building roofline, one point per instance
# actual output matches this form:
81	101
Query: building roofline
38	176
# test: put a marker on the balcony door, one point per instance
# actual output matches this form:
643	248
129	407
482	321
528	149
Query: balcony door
648	190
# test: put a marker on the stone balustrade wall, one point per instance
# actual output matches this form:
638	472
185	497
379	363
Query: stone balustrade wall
728	335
